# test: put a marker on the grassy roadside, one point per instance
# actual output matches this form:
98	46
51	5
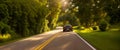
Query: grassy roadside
11	41
109	40
14	39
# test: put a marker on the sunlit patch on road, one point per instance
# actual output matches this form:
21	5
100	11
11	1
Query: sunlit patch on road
42	35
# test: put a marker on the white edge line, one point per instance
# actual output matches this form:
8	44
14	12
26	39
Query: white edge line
85	41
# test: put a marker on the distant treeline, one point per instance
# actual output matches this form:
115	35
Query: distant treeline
92	12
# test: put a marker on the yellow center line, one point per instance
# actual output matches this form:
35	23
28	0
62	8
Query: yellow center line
40	47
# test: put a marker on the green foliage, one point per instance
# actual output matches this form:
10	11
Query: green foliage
21	18
5	37
4	19
68	19
103	26
4	29
113	10
94	28
24	17
4	16
92	11
46	28
54	11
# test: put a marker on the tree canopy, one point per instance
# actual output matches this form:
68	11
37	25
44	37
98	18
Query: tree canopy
28	17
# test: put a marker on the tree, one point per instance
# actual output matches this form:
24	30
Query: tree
91	12
4	18
54	7
24	17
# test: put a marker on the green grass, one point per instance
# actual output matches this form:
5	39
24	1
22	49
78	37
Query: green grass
13	39
109	40
10	40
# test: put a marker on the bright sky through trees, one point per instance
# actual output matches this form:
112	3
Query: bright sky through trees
64	3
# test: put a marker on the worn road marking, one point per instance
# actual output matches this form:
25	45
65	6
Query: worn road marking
40	47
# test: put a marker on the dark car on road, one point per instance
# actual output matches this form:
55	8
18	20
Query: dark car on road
67	28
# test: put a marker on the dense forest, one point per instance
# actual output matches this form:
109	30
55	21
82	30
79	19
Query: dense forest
28	17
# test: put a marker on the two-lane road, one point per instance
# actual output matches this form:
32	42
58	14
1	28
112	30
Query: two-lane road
68	41
53	40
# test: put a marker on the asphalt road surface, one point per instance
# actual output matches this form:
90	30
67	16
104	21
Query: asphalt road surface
52	40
